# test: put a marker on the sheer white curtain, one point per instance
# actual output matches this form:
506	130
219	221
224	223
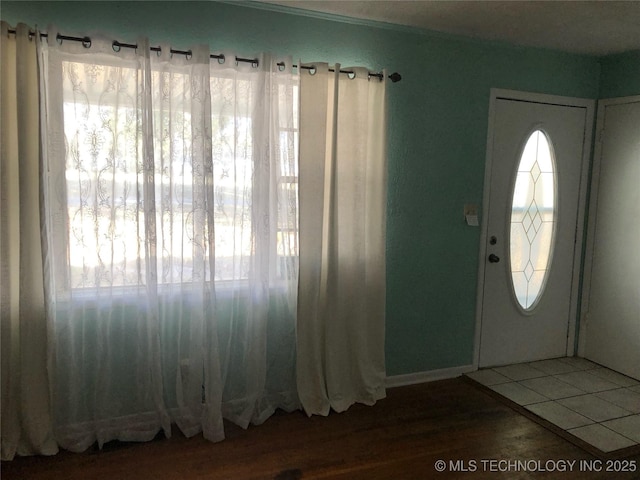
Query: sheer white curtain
172	240
103	309
26	422
183	239
255	171
341	303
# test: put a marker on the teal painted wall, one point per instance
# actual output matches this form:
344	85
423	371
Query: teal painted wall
620	75
437	136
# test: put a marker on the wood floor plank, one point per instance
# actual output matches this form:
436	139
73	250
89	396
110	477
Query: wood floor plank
401	437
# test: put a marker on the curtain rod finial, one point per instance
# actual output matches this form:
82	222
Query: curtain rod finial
395	77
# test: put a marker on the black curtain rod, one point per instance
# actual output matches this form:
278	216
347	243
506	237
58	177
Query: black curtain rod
116	45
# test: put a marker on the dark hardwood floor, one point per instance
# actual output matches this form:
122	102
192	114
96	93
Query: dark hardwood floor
401	437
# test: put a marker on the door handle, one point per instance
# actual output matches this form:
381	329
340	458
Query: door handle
493	258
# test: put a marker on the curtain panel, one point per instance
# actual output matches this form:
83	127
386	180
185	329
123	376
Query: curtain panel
171	224
26	422
341	303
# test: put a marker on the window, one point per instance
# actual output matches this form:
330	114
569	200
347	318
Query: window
104	176
533	218
199	193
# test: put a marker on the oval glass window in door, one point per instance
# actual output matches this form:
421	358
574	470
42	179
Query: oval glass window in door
533	219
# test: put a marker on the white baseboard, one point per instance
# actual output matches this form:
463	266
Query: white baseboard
429	376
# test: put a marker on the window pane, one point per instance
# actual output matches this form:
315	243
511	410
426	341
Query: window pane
533	217
103	174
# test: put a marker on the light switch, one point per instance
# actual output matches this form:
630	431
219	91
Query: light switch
471	214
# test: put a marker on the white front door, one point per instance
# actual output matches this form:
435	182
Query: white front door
533	227
611	333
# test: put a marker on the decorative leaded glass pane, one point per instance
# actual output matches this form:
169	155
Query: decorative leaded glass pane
533	217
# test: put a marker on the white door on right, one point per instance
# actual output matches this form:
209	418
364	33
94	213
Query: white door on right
532	253
611	333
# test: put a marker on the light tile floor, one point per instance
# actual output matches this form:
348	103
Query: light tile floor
593	403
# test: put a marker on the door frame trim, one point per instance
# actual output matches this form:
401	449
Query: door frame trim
592	217
589	106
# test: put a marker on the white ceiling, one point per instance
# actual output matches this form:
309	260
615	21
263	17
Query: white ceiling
587	27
